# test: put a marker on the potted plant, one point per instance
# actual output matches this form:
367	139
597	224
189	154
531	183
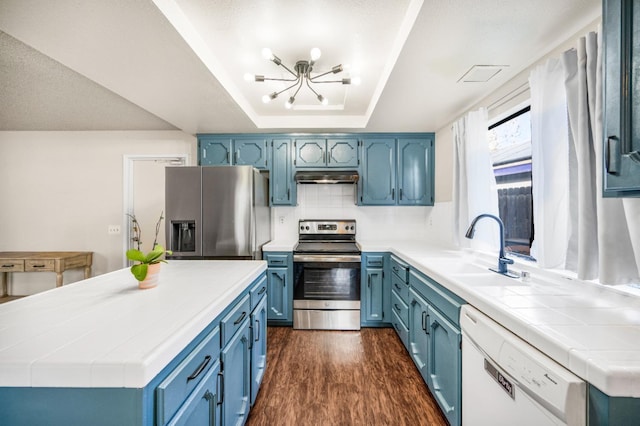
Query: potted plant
148	267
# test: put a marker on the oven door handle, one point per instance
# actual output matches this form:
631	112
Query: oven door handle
326	258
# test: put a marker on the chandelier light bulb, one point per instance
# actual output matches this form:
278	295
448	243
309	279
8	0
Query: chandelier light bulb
289	102
323	100
249	77
267	54
266	99
315	54
356	81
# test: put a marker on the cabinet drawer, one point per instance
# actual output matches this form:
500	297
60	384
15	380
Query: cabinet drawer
234	319
173	391
277	259
75	262
11	265
401	329
400	307
39	265
400	287
400	269
258	291
439	297
375	261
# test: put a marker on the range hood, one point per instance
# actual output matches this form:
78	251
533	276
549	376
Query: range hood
327	176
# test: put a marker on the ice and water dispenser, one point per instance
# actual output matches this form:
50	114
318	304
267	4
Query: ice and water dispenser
183	236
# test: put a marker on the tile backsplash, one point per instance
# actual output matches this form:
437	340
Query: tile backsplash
337	201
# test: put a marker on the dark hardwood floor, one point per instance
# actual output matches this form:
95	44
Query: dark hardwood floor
341	378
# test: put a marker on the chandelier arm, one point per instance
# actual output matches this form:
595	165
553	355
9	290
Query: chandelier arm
298	89
280	79
291	72
327	81
294	84
311	88
331	71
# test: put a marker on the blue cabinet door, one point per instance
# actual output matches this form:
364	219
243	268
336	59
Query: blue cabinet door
310	153
215	151
445	365
378	183
258	347
236	390
621	19
202	406
419	333
283	189
278	294
250	152
415	172
373	291
342	153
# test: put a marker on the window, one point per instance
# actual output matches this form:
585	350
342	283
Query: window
510	147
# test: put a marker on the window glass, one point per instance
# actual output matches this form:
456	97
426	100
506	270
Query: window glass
510	147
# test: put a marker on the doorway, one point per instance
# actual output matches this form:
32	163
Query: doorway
144	197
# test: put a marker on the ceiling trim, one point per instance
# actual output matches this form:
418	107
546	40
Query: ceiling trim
177	18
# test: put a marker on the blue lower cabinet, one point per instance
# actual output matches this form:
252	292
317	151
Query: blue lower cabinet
258	347
174	390
445	365
236	373
279	287
372	296
202	407
419	333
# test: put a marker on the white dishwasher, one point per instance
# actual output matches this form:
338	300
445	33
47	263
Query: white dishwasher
506	381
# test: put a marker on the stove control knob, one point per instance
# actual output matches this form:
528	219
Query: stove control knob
307	228
346	228
352	227
302	228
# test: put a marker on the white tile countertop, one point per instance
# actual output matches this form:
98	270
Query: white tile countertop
105	332
280	245
590	329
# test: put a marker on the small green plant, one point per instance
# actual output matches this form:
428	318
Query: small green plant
139	270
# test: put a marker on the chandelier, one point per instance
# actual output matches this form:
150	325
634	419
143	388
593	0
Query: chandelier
301	75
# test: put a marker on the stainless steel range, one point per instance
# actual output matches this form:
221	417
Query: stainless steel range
326	264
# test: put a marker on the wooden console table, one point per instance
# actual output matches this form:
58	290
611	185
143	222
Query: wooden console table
44	261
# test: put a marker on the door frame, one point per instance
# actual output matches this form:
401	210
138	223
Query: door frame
128	163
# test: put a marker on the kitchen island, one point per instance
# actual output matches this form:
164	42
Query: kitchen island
95	351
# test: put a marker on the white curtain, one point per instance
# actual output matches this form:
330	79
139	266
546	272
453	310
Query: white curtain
550	158
605	230
474	185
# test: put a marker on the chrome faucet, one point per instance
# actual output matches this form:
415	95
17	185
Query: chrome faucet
503	261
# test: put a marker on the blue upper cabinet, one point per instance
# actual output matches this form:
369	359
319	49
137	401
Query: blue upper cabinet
621	20
310	152
320	153
415	172
214	151
229	150
378	180
283	187
250	152
342	153
398	171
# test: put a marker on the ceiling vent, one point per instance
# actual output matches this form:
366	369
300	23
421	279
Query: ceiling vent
481	73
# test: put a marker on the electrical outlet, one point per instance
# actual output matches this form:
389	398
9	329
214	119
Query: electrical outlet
281	219
114	230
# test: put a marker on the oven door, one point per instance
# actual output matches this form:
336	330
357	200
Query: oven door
326	278
326	294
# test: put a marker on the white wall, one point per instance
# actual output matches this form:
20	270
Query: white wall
326	201
61	190
500	103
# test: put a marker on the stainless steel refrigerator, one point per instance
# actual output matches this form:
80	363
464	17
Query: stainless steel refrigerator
217	212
